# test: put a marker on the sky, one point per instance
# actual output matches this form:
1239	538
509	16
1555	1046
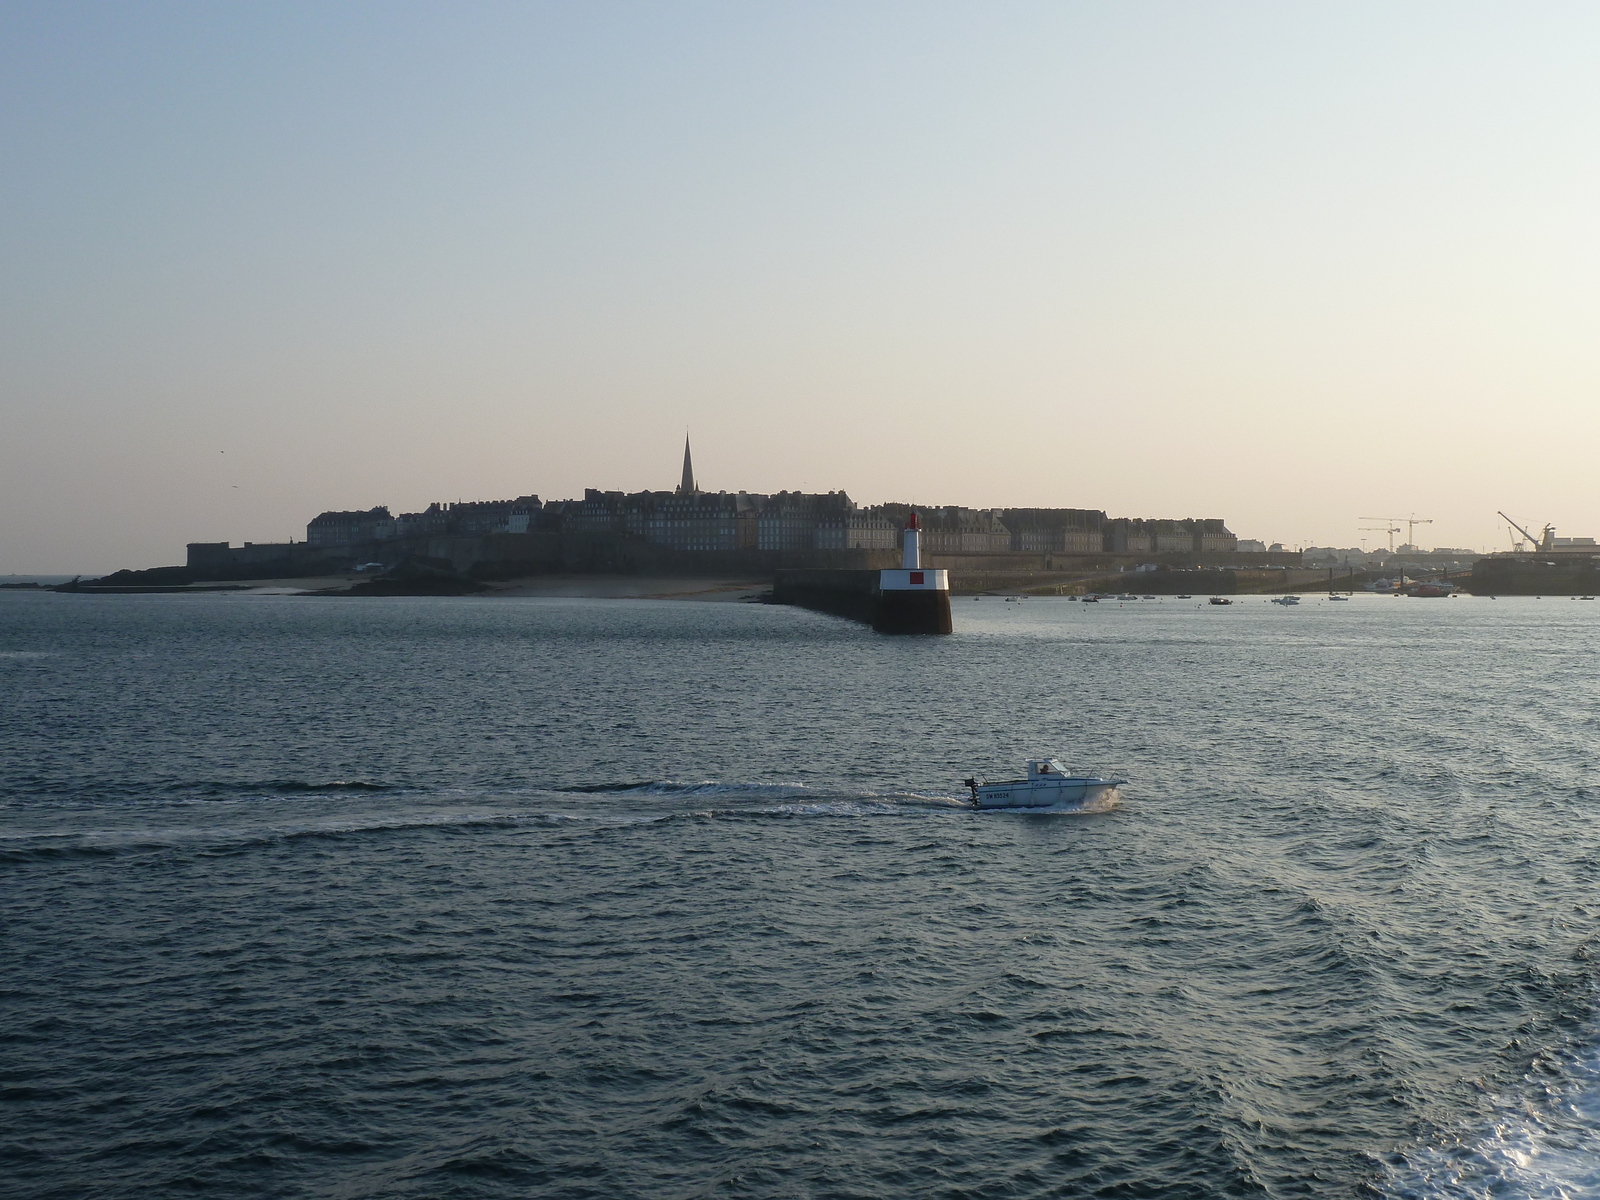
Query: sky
1296	266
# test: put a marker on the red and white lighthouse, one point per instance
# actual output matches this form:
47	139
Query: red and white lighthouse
913	599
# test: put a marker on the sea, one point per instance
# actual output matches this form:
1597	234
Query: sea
493	898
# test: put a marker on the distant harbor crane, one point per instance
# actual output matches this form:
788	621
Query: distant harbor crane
1544	543
1411	526
1391	530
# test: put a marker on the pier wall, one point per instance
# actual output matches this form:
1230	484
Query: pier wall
1575	576
515	555
857	596
852	594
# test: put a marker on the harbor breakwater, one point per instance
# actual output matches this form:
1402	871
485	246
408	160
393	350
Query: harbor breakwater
862	596
1578	575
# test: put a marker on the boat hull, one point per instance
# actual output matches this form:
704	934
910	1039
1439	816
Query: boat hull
1069	792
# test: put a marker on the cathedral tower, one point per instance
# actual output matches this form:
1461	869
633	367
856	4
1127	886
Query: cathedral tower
687	487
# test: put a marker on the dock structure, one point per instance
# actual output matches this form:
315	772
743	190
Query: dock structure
910	598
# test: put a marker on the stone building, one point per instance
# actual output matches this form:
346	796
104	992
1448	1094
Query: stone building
343	528
1137	535
952	529
858	530
1056	530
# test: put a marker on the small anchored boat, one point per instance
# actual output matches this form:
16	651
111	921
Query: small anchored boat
1048	785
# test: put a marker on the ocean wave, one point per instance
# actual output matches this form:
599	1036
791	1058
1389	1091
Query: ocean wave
278	787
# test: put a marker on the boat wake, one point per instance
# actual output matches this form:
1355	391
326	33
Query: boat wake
771	799
276	811
182	825
218	837
1105	803
672	787
1542	1143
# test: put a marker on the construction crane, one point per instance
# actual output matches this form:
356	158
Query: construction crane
1543	543
1411	526
1391	530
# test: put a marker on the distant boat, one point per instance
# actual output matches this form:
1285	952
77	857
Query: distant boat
1285	600
1185	597
1220	600
1333	596
1048	785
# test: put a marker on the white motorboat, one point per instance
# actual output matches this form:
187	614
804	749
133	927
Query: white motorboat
1286	600
1048	785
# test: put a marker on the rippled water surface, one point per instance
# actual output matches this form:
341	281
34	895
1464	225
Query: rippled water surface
506	898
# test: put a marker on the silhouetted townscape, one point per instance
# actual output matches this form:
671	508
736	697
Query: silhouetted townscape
692	531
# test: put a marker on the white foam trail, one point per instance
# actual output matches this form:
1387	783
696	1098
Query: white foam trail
1100	804
712	787
1542	1146
225	834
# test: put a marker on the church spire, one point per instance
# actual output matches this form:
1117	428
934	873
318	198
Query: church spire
687	487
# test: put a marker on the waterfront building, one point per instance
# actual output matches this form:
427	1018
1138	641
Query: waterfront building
791	520
1056	530
858	530
1137	535
952	529
343	528
687	520
955	530
522	515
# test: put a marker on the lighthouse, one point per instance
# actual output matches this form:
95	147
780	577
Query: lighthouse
913	598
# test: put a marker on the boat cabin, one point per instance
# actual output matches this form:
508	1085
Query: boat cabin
1047	768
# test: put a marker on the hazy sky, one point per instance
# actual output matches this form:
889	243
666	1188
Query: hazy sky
1287	264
